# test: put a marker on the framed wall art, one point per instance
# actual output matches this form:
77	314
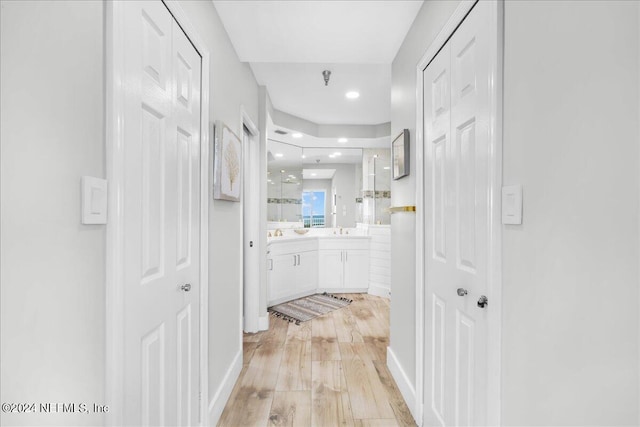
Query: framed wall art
227	167
400	154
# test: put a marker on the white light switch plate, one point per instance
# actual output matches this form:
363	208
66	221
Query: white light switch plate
512	204
94	200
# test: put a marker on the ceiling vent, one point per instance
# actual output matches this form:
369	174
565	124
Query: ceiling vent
280	132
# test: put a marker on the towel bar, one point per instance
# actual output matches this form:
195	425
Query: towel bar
395	209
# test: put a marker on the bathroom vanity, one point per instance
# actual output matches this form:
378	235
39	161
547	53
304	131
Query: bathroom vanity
300	265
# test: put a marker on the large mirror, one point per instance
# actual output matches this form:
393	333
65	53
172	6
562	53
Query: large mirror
327	187
284	182
331	187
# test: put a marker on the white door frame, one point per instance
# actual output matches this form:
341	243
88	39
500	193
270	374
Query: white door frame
494	272
114	127
251	321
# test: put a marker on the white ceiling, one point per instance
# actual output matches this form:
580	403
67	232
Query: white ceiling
308	141
289	43
299	89
355	32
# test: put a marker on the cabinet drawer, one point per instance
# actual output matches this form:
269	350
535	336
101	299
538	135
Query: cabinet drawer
343	244
281	248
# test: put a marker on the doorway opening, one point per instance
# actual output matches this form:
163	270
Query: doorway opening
251	226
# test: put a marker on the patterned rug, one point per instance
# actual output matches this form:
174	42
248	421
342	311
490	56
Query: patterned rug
303	309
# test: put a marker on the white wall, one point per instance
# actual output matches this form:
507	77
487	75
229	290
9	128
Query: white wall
430	19
570	313
232	85
52	267
570	272
52	133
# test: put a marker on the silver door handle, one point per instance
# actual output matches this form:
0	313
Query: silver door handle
298	259
462	292
186	287
483	301
294	261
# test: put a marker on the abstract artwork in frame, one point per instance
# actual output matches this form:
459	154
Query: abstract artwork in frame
227	168
400	155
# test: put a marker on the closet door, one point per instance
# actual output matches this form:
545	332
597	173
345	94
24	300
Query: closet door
161	213
456	86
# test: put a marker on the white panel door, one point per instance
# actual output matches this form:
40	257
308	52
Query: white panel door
161	219
456	118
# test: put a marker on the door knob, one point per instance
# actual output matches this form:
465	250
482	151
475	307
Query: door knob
186	287
482	301
462	292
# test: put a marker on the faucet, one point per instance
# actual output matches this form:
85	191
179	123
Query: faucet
278	233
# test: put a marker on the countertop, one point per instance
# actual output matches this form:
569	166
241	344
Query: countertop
298	237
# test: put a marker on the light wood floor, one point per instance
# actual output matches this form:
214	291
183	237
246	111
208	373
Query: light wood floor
330	371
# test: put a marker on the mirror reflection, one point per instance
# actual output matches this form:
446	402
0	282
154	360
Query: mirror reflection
327	187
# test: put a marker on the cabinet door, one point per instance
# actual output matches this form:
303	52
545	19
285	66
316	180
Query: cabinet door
356	269
330	269
281	277
307	271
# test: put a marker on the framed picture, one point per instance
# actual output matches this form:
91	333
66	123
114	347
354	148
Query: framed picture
400	154
227	168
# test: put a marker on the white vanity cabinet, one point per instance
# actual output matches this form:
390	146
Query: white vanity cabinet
292	270
303	266
343	265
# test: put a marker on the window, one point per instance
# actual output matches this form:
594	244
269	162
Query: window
313	208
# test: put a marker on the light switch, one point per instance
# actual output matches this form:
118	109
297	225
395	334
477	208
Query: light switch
94	200
512	204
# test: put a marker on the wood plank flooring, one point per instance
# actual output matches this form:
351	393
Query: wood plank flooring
330	371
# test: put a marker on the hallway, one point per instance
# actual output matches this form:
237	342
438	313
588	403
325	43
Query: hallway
329	371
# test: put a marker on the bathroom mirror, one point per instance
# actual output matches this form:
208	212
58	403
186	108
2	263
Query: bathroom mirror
331	187
327	187
284	182
376	189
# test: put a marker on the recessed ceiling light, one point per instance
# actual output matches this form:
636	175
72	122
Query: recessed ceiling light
332	156
352	94
304	157
337	153
296	135
279	155
342	140
314	174
386	168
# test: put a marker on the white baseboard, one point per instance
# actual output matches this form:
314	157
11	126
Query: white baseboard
263	323
402	380
219	400
379	291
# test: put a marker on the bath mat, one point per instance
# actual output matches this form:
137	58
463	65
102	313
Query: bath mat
306	308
